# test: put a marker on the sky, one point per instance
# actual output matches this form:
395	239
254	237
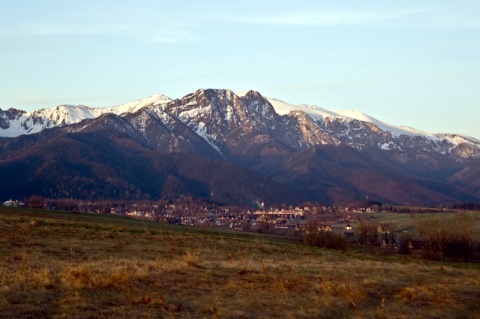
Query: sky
412	63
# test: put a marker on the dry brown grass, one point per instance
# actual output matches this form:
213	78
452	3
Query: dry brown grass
192	259
67	268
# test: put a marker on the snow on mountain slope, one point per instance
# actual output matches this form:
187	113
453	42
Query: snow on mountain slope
457	139
463	146
34	122
394	129
215	114
283	108
132	107
20	125
318	113
62	114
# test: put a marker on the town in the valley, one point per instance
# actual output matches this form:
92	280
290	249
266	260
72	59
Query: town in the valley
282	220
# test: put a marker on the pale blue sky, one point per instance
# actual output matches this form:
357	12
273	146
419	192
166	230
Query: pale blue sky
414	63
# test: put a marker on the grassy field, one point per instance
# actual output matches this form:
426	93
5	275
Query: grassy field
62	265
406	222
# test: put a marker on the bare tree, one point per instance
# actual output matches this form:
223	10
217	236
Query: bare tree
447	236
367	233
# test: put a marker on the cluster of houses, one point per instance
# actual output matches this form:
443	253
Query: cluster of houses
282	221
238	219
196	213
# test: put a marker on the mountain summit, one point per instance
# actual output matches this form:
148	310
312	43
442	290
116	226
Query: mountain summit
302	151
314	125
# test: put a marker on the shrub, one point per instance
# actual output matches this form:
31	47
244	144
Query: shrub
326	239
367	233
403	242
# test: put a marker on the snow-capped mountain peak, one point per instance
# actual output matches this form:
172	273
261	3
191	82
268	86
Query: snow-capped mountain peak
284	108
216	114
318	113
132	107
14	123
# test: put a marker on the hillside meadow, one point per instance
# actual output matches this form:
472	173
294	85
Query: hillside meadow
406	222
63	265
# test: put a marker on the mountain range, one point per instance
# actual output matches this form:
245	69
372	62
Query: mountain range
231	148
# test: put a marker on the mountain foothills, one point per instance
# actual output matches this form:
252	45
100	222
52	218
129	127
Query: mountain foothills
230	148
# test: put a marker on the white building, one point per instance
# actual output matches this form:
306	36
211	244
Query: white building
12	203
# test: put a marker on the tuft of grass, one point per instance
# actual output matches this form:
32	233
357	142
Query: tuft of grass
27	277
192	259
94	276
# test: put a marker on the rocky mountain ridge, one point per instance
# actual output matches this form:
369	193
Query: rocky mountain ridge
217	114
302	152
